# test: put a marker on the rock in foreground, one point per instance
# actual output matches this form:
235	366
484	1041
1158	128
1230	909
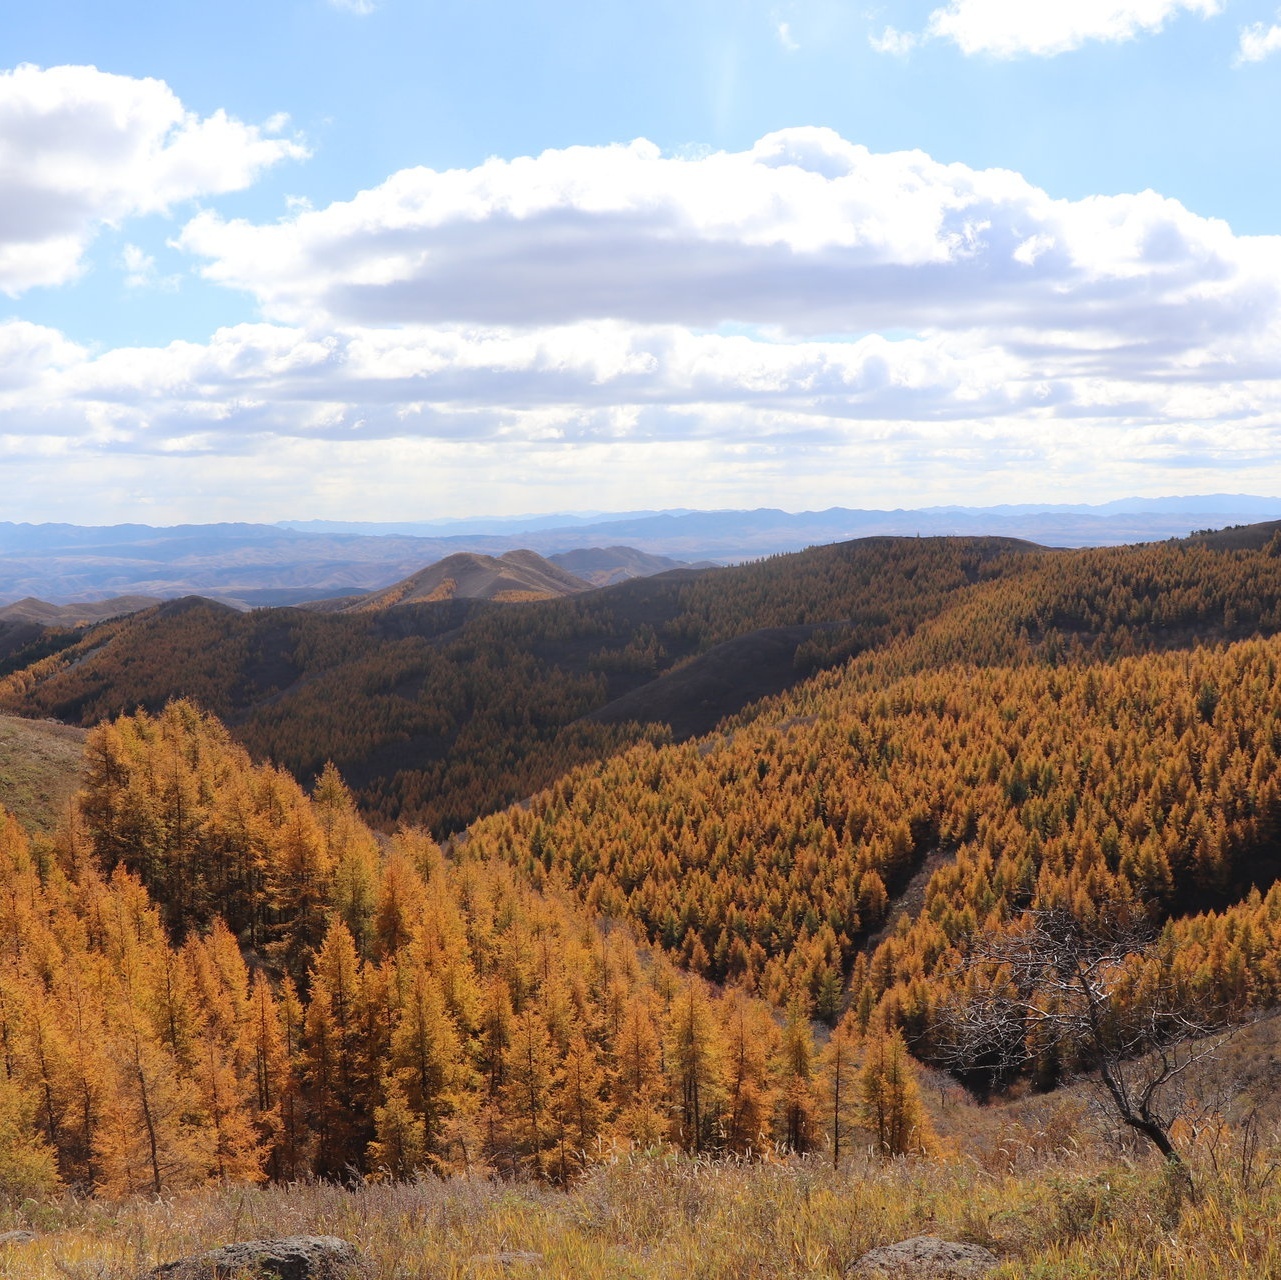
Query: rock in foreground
289	1258
924	1258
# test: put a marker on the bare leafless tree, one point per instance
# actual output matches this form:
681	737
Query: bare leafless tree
1101	995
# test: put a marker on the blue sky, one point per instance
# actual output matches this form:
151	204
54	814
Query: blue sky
706	253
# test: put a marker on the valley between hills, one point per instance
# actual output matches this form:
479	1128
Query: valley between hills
502	921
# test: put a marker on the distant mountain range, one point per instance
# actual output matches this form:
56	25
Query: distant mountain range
736	534
604	566
249	565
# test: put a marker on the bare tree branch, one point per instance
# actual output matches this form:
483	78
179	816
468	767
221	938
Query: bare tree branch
1101	996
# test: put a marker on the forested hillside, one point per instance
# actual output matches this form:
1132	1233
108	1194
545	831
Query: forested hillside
213	976
214	973
440	713
437	713
772	854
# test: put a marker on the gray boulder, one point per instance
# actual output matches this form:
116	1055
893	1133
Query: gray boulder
288	1258
17	1237
925	1258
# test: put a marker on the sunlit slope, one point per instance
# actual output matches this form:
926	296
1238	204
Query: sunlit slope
213	976
1022	738
514	577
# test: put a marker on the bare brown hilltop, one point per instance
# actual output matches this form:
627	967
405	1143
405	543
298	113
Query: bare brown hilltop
513	577
79	614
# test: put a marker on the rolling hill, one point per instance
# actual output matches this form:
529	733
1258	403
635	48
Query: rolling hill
77	614
514	577
441	711
803	786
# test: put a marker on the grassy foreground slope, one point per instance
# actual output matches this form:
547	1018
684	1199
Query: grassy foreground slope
1072	1211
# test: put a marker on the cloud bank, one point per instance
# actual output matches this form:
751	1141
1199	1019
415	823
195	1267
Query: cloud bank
80	148
804	321
805	233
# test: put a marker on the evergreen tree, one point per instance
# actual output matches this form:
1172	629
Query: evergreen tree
28	1161
526	1097
891	1100
639	1085
426	1064
337	1083
796	1079
839	1074
695	1054
751	1037
397	1151
149	1138
579	1107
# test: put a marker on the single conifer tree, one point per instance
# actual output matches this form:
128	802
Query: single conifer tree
751	1037
796	1070
697	1059
839	1074
891	1100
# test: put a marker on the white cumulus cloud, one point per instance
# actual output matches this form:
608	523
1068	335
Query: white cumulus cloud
804	232
1041	28
421	410
781	318
895	42
80	148
1258	42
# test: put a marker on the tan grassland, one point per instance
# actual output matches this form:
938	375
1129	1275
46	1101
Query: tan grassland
40	769
1062	1214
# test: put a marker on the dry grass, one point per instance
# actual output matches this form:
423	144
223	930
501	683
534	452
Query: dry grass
41	763
658	1217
